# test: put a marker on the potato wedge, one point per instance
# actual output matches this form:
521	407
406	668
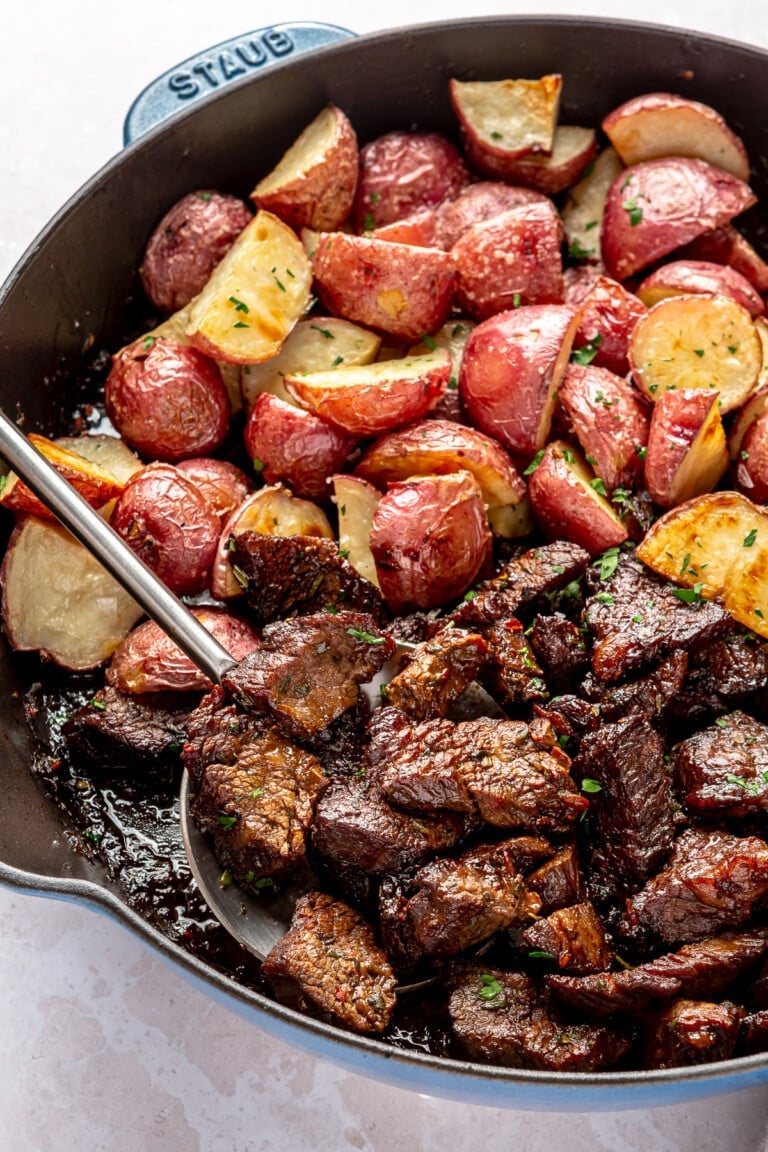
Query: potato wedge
755	405
403	172
368	400
706	342
107	452
476	203
726	245
661	124
255	296
569	501
585	204
297	448
573	151
317	343
508	118
699	277
91	481
687	452
274	511
611	421
608	314
715	547
314	184
57	599
356	501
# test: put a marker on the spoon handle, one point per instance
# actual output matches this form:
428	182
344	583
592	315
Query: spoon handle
101	540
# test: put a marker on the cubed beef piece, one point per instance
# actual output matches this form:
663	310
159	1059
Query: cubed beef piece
724	768
559	881
121	729
256	793
437	674
632	825
501	1018
753	1034
512	675
613	993
560	650
574	937
756	994
419	764
637	619
456	904
651	695
506	770
690	1032
308	670
733	668
570	715
330	964
713	881
281	575
521	581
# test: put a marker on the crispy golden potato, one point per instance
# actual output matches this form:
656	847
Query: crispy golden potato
687	452
507	119
699	277
92	482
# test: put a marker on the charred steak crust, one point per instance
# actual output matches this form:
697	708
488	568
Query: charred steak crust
522	581
438	672
124	729
724	768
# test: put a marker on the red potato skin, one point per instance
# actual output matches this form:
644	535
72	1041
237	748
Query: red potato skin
701	277
430	540
726	245
677	418
167	401
402	172
530	172
609	311
565	511
398	289
476	203
188	243
420	229
611	422
751	472
168	523
510	259
579	280
223	485
149	661
506	379
680	199
294	446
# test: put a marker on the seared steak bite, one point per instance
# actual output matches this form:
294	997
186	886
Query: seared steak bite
633	830
753	1034
733	668
574	937
613	993
521	581
724	768
438	672
637	619
651	695
128	730
307	671
255	792
559	881
690	1032
501	1018
560	650
286	574
512	675
330	964
712	881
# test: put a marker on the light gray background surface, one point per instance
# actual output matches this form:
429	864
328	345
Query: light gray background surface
102	1046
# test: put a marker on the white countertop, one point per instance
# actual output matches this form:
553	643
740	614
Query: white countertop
103	1046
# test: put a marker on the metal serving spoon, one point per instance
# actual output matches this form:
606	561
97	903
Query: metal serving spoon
256	923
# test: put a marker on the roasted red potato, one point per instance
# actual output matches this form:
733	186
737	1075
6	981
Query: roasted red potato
419	229
402	172
726	245
579	280
751	466
255	296
366	401
438	447
608	314
509	260
109	453
148	660
570	502
274	511
430	540
167	521
585	204
356	501
507	119
655	207
662	124
224	485
511	370
687	452
573	151
611	420
699	277
188	243
399	289
167	400
476	203
299	448
92	482
707	342
59	601
314	184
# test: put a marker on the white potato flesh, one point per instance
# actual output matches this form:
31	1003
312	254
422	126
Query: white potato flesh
255	296
584	206
758	398
57	599
106	452
452	337
509	117
697	342
309	149
716	546
314	345
356	501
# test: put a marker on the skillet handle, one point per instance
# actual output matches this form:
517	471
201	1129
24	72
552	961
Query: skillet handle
223	63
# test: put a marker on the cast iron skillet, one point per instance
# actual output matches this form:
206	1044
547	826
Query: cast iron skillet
74	283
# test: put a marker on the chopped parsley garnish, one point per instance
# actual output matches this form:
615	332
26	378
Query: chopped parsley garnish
99	705
534	463
576	252
586	354
699	352
607	563
256	793
337	361
598	485
590	785
228	822
429	341
635	211
489	987
240	305
264	882
240	324
368	222
147	343
323	332
641	451
538	955
516	299
258	464
366	637
604	598
689	595
750	538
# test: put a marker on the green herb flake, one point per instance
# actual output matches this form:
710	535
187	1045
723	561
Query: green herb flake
590	785
366	637
240	576
638	618
240	305
576	252
256	792
147	343
750	538
280	284
489	987
225	879
228	822
534	463
205	196
604	598
516	300
586	354
538	955
264	882
635	211
99	705
497	136
337	361
607	563
368	222
686	562
743	455
258	464
721	723
240	324
323	331
429	341
689	595
568	456
699	352
598	485
733	349
590	225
